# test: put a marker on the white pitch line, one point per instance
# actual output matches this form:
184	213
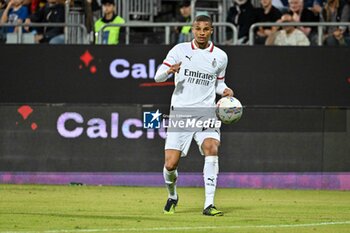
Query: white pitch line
186	228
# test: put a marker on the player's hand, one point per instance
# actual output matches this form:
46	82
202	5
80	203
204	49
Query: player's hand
228	92
174	68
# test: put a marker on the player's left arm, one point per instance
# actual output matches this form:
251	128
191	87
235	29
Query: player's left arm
221	87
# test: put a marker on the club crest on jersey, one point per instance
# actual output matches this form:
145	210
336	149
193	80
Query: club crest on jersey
214	63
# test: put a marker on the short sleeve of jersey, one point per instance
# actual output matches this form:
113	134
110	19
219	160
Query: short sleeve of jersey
172	57
222	69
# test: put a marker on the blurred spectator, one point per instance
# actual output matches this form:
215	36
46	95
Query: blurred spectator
2	31
266	13
88	13
345	15
184	33
2	6
34	5
92	11
314	5
242	15
110	35
301	14
331	13
337	11
282	5
14	12
289	35
52	12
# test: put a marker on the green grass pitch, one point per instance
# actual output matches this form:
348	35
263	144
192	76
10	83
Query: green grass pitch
56	209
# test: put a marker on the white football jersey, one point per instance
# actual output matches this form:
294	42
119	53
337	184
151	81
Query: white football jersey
201	70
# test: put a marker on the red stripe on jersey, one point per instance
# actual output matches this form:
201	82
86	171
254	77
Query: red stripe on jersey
220	78
167	64
192	45
212	47
153	84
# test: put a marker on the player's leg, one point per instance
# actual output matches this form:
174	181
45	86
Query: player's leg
176	145
209	143
210	148
172	158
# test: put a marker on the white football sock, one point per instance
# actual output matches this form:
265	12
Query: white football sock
210	173
170	178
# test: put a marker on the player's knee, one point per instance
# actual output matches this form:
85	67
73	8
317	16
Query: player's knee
210	148
172	158
170	166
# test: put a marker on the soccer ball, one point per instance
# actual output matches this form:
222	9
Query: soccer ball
229	110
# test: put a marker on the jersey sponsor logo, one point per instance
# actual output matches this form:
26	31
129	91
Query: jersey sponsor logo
197	74
197	77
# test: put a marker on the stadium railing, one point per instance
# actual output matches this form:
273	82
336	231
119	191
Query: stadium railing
167	31
319	25
137	9
82	40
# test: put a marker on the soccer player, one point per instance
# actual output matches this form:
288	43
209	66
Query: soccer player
199	68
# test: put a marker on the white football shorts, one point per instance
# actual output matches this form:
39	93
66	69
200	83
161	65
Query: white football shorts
182	140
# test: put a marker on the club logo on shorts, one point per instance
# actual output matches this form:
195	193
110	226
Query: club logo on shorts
151	120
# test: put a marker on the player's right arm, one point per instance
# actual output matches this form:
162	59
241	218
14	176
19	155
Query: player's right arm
171	65
164	70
